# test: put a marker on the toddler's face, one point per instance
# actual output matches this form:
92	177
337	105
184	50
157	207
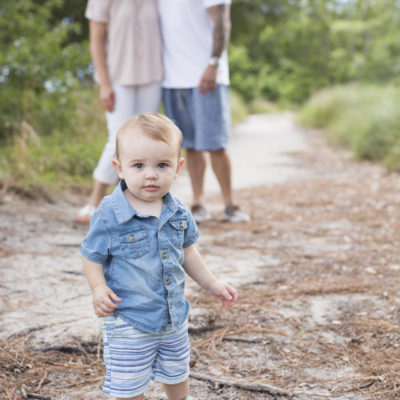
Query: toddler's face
148	166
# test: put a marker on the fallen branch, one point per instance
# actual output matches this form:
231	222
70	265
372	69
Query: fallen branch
28	395
204	329
250	387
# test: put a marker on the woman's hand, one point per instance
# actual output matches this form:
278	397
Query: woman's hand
107	97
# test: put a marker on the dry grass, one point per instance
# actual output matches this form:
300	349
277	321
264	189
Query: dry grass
26	373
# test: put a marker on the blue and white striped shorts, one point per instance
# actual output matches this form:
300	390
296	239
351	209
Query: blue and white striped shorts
132	357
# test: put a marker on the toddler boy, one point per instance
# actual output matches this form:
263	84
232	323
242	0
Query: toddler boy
139	247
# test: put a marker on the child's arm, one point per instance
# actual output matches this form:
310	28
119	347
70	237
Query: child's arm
102	294
196	268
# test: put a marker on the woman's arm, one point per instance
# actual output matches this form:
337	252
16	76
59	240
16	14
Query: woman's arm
98	36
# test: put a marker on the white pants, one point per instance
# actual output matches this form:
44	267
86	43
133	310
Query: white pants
129	101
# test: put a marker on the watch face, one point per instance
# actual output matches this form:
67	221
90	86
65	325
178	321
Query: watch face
214	61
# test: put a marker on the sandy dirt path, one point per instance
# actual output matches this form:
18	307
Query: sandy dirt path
316	269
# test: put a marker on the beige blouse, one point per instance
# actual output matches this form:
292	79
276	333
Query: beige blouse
133	39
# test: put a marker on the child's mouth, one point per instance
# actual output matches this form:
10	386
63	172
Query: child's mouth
151	188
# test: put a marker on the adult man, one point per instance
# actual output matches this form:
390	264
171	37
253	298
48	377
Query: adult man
196	91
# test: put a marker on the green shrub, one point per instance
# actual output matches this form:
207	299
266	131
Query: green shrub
364	118
41	67
261	105
60	159
239	108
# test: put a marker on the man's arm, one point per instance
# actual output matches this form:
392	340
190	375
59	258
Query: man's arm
220	15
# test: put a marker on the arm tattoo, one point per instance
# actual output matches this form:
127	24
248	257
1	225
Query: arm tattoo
222	28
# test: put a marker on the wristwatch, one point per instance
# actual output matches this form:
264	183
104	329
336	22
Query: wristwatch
214	61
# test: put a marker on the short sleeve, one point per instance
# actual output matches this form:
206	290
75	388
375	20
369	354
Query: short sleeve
192	232
98	10
212	3
96	245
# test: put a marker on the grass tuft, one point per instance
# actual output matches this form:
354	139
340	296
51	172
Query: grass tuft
35	162
364	118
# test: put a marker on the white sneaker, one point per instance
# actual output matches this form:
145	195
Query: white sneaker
85	214
234	214
200	213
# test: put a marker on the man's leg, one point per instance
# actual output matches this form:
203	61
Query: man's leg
178	391
196	163
221	165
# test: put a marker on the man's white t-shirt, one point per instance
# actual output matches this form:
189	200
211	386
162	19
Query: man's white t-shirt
187	32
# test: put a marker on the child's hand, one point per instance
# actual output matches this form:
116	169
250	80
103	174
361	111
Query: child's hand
102	304
226	293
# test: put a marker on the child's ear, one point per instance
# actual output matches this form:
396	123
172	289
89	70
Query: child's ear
181	160
118	168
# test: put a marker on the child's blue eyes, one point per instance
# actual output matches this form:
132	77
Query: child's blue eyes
141	165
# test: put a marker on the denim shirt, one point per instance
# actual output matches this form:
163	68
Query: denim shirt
143	259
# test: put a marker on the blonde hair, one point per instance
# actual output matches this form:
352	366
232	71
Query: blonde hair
154	125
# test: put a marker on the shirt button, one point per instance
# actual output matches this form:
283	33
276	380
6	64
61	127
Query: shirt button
170	305
181	225
132	237
167	281
164	255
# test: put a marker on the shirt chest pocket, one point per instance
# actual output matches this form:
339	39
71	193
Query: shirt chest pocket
178	227
134	244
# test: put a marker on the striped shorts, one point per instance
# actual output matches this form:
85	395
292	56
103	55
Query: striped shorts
133	357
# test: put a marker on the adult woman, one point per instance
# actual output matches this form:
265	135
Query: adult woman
125	44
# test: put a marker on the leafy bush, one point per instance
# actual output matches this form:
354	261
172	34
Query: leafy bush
33	162
365	118
239	109
285	50
41	67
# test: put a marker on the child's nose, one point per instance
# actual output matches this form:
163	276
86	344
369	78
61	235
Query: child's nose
151	173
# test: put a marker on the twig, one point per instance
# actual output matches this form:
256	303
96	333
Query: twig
242	340
250	387
41	381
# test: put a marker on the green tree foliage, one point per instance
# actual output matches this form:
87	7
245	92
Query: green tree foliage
41	65
282	50
287	49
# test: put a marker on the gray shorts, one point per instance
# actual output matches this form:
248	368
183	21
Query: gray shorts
204	119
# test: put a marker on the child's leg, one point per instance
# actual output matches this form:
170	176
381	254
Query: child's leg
178	391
